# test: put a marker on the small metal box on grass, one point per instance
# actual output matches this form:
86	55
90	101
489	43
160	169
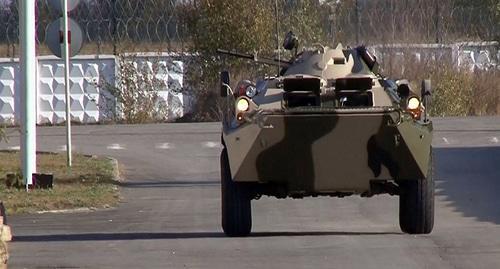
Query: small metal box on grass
43	181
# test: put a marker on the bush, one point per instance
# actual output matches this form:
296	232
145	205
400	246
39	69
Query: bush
452	93
2	134
202	81
135	98
459	92
245	26
456	92
486	93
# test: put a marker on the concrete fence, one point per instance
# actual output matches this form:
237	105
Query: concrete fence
90	100
472	56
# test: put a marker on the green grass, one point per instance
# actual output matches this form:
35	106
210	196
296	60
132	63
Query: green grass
90	183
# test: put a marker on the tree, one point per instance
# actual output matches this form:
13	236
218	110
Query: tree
480	18
246	26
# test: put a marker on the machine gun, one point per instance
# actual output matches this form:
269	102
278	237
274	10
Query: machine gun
255	58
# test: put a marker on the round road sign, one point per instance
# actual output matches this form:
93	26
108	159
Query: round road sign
58	5
55	41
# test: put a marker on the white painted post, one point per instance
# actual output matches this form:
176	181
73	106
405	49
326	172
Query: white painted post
66	82
28	89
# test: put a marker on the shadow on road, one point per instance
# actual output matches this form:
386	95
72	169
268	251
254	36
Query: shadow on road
469	178
180	235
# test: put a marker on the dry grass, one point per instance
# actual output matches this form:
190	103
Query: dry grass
89	184
452	93
456	92
4	256
463	93
486	99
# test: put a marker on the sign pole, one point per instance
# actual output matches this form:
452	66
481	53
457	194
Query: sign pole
64	43
28	89
66	81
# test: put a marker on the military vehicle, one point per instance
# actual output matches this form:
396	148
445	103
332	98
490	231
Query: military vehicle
328	124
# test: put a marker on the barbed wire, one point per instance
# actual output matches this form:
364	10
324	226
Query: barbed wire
117	26
416	21
109	26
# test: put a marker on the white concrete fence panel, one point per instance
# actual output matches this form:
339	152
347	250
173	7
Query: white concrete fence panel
89	98
9	93
472	56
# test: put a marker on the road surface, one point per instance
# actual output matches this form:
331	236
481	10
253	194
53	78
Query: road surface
170	214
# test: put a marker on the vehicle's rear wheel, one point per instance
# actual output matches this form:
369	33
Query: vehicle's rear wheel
416	204
236	202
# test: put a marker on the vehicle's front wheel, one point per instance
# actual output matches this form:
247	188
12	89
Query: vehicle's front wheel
416	204
236	202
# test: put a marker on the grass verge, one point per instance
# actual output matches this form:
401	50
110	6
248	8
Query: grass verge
90	183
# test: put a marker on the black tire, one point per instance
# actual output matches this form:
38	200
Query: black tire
416	204
236	202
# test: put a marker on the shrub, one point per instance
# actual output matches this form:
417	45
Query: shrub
245	26
135	97
3	136
452	93
456	92
486	93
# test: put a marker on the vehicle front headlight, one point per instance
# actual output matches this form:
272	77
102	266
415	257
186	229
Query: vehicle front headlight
414	107
413	103
242	105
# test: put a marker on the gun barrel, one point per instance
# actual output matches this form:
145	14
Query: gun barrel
236	54
253	57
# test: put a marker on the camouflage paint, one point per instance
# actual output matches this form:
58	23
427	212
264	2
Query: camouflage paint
326	149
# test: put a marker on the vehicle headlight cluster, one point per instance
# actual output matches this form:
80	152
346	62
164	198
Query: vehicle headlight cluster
242	105
414	107
246	90
413	103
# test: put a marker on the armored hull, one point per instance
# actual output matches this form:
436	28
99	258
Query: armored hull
316	151
329	124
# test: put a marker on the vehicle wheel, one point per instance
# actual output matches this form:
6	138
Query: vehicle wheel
416	204
236	202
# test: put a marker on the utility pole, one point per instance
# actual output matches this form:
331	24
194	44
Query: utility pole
28	67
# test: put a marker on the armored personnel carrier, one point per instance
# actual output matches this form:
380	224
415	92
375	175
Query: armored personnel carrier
328	125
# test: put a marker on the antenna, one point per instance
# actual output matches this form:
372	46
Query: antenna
277	33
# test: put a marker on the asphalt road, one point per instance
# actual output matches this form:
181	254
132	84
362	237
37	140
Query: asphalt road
170	214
